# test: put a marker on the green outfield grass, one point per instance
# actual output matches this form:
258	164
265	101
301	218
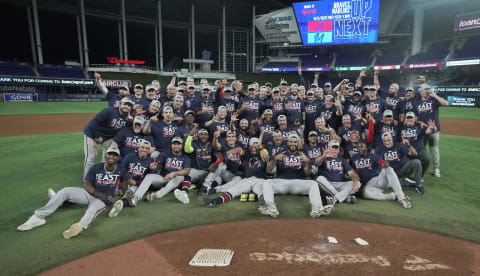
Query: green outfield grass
451	206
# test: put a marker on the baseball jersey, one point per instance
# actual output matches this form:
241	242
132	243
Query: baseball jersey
128	141
406	106
103	180
367	166
202	155
135	167
172	163
312	152
163	133
253	165
414	134
323	138
397	155
427	110
106	124
290	166
334	169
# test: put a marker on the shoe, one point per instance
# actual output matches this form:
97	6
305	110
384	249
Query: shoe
316	212
116	209
243	197
73	231
408	182
150	196
210	203
252	197
270	209
421	189
331	200
182	196
406	203
192	187
51	193
31	223
203	190
328	209
351	199
130	197
261	201
436	172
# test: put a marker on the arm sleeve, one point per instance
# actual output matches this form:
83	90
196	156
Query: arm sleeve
371	131
101	86
188	144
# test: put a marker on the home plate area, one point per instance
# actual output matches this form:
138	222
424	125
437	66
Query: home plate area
289	247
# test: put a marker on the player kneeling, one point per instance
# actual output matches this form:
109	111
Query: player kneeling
100	184
378	176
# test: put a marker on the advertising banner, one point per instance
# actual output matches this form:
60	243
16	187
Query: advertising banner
467	22
462	101
117	83
20	97
46	81
279	26
463	62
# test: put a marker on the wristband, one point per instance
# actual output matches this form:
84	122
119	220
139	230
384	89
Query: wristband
264	150
239	150
219	160
381	162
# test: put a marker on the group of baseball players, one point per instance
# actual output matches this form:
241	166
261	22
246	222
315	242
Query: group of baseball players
333	144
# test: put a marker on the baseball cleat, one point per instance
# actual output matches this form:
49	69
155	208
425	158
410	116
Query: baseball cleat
331	200
182	196
130	197
243	197
270	210
210	203
408	182
150	196
73	231
406	203
51	193
116	209
328	209
316	212
252	197
436	172
31	223
351	199
421	189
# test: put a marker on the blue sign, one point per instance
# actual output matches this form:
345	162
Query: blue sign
329	22
20	97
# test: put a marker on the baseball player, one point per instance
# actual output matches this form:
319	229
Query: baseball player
253	172
162	131
313	150
250	106
204	106
386	125
276	104
278	145
219	121
102	129
100	184
397	155
203	156
406	105
332	180
325	133
290	167
129	138
265	126
112	98
378	176
136	166
172	168
374	104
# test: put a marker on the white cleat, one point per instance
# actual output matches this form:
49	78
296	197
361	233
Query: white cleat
316	212
328	209
436	172
182	196
116	209
406	203
51	193
31	223
73	231
270	210
150	196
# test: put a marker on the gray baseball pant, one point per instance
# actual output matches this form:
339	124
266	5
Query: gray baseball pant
339	190
90	149
157	181
221	174
433	141
424	159
386	179
240	186
197	175
78	196
412	167
293	187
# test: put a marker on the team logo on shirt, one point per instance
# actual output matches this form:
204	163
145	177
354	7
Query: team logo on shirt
389	129
391	155
425	107
363	163
409	133
327	114
294	105
278	106
254	162
173	163
169	130
252	105
333	165
292	161
392	101
355	109
134	141
107	179
353	151
222	127
204	153
324	137
118	123
230	107
314	153
311	108
136	169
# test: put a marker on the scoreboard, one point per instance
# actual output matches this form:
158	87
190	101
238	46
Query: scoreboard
337	22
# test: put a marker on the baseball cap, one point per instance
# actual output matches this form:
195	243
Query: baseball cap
372	87
180	89
221	107
301	87
171	86
277	133
282	117
293	136
313	85
294	85
155	102
254	142
205	87
179	97
145	142
283	83
228	88
244	121
387	112
191	86
268	84
127	100
139	120
357	93
320	119
313	132
138	85
346	117
386	135
177	139
275	89
410	114
268	111
334	143
189	79
251	86
354	132
327	84
168	108
425	87
394	85
189	112
181	82
231	132
202	130
330	96
409	89
149	87
350	84
310	92
113	150
124	88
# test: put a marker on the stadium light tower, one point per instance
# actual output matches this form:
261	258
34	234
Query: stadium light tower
37	31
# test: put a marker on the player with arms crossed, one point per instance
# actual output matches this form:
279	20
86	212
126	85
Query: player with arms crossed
100	184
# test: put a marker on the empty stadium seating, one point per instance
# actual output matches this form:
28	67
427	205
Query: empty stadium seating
16	69
60	71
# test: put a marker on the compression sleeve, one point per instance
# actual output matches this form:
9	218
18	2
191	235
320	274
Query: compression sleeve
188	144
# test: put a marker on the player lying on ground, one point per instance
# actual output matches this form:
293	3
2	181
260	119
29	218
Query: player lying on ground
100	183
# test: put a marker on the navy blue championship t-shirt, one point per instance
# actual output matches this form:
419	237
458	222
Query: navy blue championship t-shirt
105	181
290	166
334	169
367	166
135	167
173	163
253	165
396	155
